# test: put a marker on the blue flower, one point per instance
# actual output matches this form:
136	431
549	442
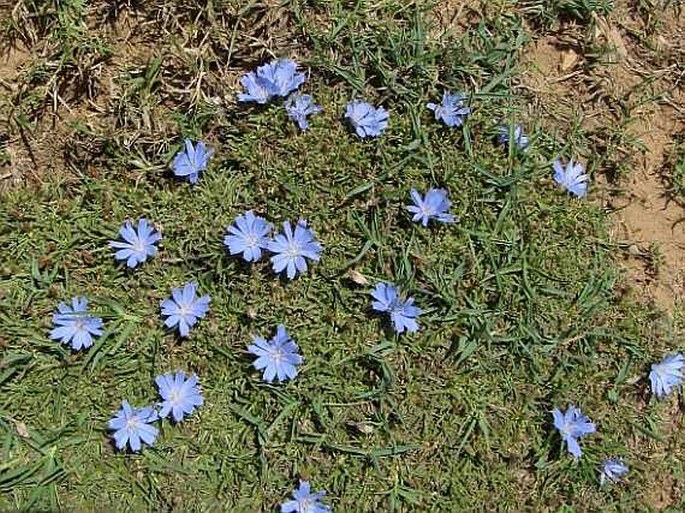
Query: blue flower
258	89
284	78
74	325
305	502
299	106
572	425
572	178
366	120
403	314
520	139
191	161
433	206
452	110
181	396
184	309
248	235
139	245
667	374
612	470
291	248
132	426
278	357
277	78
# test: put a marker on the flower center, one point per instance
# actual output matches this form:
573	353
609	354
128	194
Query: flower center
305	505
357	118
138	246
565	431
174	397
294	250
427	211
277	355
251	240
194	167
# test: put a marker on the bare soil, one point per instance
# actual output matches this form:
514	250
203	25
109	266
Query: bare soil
564	80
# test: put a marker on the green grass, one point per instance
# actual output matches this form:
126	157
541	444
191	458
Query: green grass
676	177
523	312
553	12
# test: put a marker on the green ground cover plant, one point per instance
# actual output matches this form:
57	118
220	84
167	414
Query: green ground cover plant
523	310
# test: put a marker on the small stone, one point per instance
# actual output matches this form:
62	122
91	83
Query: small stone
358	277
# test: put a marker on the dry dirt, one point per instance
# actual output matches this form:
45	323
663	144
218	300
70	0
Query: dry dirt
564	82
94	89
12	175
43	144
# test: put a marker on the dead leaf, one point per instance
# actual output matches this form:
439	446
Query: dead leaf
358	277
569	58
22	430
